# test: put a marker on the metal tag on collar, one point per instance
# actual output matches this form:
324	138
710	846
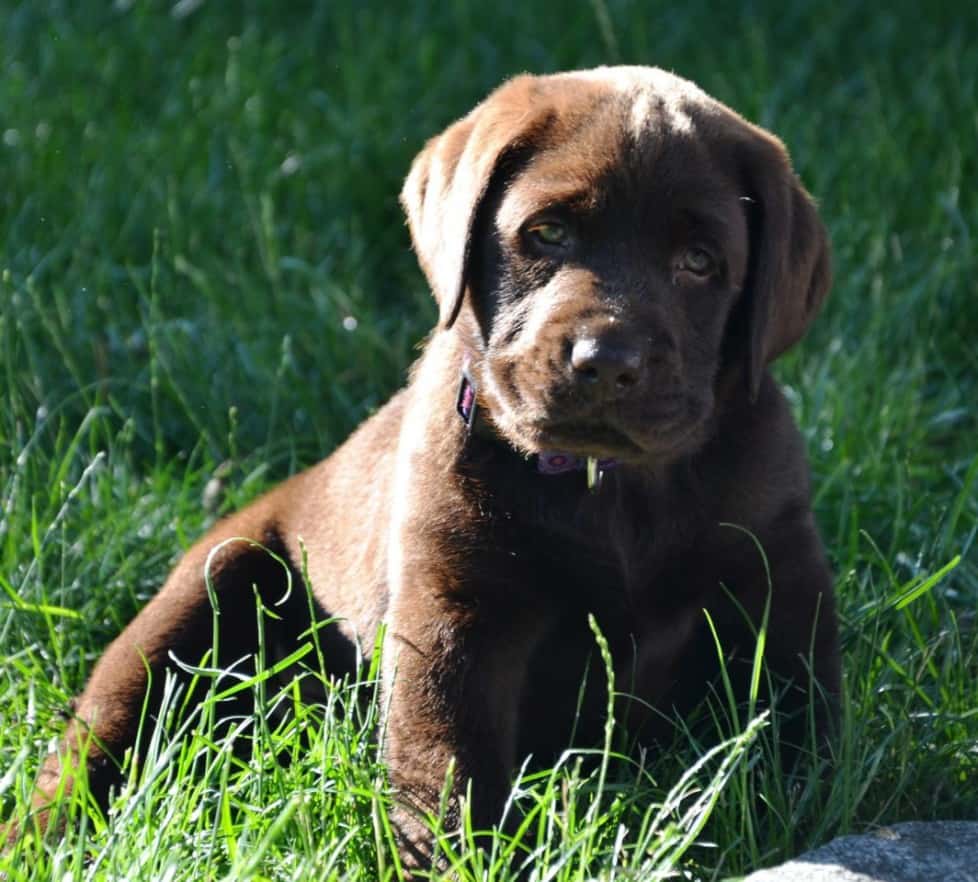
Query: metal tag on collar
594	474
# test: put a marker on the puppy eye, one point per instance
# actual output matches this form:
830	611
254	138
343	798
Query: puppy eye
548	232
698	262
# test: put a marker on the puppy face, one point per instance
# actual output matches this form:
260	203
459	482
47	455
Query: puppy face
627	239
602	284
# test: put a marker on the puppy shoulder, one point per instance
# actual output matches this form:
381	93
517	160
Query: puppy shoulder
360	468
757	463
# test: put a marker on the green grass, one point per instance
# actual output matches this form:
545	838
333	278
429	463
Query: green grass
191	209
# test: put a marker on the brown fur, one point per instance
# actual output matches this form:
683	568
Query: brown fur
484	570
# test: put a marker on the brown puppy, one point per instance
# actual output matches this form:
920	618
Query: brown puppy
617	257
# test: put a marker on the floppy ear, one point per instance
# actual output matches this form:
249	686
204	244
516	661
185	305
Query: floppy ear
790	270
449	180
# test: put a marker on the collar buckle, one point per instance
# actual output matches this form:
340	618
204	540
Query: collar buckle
465	401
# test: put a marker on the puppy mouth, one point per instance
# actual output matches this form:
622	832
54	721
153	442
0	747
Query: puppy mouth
661	426
588	439
635	429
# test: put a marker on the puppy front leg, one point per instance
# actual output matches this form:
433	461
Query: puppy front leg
804	648
453	674
803	640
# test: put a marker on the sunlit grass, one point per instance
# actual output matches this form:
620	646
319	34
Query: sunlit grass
205	284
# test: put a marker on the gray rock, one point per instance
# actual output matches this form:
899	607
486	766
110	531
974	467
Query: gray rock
918	851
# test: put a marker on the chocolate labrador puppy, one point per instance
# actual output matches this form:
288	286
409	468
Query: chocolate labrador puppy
591	429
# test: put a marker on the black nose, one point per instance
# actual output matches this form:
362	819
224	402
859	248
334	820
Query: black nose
611	366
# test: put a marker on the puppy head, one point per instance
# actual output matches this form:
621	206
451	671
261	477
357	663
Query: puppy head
621	240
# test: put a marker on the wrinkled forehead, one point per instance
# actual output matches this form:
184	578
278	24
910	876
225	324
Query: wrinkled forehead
623	131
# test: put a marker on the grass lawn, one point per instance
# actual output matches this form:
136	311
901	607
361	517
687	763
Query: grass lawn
207	283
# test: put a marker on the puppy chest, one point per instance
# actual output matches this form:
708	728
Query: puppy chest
566	687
